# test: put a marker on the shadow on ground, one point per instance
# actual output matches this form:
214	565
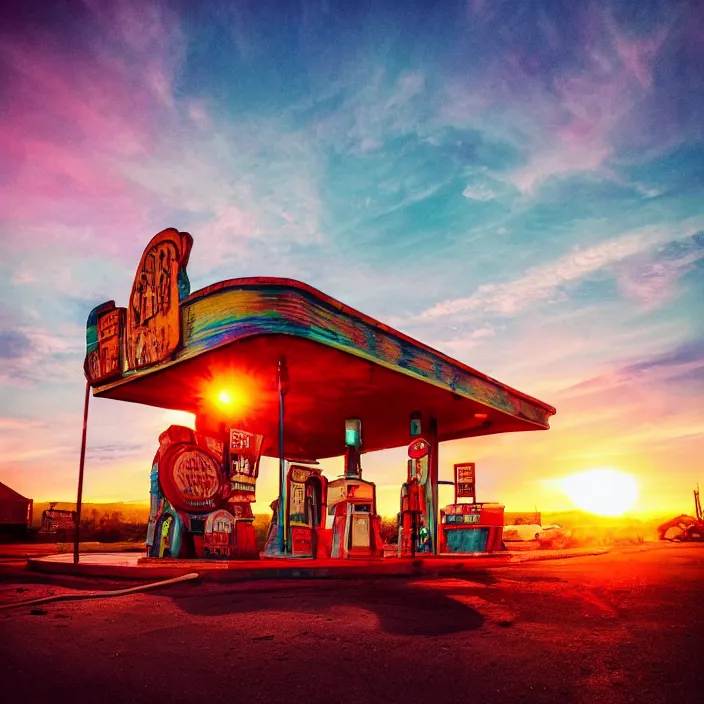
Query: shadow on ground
403	607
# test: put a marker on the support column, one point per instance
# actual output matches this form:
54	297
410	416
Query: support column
81	467
283	385
433	477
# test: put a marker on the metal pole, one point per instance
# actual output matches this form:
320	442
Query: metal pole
433	477
81	466
281	517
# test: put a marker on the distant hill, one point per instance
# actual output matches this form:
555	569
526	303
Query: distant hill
588	527
132	511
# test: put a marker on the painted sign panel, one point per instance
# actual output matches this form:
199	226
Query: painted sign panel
196	474
465	481
219	534
154	313
105	343
191	478
245	452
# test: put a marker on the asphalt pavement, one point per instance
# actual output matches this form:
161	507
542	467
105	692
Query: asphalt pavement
627	626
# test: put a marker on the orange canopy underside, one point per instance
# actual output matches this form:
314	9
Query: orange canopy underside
326	387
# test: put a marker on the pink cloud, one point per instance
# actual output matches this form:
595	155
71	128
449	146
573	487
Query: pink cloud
654	283
637	54
75	113
589	107
566	121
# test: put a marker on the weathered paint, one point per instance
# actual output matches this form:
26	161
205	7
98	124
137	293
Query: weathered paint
243	308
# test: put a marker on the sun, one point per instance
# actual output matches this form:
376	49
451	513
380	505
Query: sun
606	492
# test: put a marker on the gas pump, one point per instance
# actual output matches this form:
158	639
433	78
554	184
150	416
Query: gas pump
351	504
410	516
306	508
328	519
304	527
412	528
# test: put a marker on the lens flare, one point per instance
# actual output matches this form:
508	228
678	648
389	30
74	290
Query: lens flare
224	398
605	492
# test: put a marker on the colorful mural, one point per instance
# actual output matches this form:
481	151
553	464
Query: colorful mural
243	308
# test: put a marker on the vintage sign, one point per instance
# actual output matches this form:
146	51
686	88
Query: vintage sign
418	449
105	342
219	534
153	313
300	474
191	478
465	481
245	452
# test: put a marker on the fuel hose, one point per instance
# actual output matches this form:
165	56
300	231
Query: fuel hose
104	595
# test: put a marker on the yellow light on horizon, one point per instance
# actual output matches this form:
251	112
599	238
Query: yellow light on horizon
605	492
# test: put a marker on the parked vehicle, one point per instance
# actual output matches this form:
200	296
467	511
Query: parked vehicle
550	536
522	532
555	537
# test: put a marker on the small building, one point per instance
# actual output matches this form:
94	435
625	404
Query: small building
15	511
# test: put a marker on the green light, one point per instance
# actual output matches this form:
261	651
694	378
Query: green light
353	432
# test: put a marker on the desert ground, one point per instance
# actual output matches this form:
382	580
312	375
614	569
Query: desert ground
627	626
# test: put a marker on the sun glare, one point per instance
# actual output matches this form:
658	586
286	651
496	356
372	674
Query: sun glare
606	492
228	393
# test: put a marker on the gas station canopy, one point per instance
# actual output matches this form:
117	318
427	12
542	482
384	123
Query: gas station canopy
215	353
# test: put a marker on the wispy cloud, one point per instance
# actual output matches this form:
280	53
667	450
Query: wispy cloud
662	367
480	192
74	114
37	356
543	282
564	120
651	277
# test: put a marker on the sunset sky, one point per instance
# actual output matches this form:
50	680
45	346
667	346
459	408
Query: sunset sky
519	185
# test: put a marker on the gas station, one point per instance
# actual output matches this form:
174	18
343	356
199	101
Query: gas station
273	367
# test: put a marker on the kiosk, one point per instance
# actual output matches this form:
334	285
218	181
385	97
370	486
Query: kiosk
470	527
